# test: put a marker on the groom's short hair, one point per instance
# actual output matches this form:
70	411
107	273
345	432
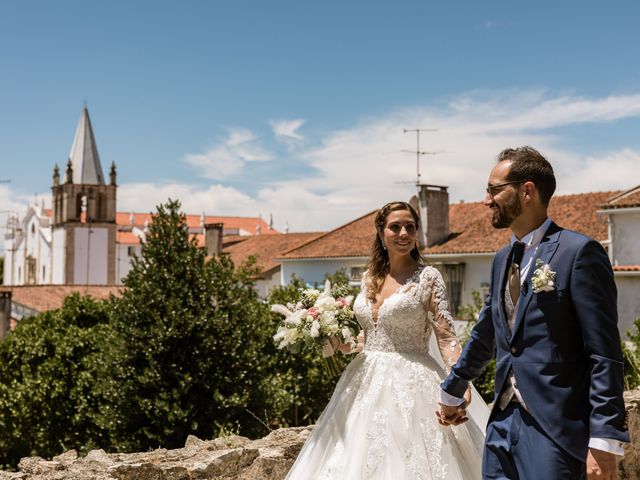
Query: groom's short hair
527	164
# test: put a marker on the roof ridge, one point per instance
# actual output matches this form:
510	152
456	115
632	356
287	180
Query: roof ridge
327	233
624	194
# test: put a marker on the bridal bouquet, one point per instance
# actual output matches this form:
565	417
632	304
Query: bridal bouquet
322	319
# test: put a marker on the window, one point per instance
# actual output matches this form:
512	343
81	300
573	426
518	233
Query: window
31	270
453	276
131	251
355	274
44	273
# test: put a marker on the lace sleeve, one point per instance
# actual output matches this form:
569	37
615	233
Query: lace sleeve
442	321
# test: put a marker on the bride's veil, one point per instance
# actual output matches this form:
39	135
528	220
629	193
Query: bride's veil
477	411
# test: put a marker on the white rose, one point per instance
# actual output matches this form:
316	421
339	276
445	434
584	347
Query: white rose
315	329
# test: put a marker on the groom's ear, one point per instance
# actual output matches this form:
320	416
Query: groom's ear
529	191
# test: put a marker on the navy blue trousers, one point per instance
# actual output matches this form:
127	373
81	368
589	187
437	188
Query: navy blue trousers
516	448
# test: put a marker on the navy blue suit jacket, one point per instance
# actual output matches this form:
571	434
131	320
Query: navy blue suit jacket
565	348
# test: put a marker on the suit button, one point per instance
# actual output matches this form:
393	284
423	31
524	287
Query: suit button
514	350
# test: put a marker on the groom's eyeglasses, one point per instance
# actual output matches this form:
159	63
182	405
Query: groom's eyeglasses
495	189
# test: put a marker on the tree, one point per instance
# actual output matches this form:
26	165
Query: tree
188	337
48	371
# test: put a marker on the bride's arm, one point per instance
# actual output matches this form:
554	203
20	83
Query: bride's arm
443	328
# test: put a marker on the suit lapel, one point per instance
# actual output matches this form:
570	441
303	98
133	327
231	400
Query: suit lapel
503	281
546	250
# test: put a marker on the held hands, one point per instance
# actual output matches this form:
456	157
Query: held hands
601	465
454	415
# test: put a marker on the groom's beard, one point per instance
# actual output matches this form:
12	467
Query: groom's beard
504	215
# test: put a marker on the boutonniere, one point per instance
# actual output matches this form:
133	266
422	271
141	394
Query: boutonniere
543	277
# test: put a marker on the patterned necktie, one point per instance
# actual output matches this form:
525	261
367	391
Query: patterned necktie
517	251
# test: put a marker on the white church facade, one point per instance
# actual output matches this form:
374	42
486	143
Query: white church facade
82	239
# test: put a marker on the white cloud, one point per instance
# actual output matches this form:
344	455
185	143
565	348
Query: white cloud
354	170
360	168
230	156
287	130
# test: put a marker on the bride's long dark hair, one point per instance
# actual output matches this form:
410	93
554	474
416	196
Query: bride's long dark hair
378	266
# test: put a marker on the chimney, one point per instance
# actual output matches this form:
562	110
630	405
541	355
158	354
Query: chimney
213	238
433	201
5	313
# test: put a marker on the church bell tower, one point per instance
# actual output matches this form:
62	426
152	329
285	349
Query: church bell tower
84	215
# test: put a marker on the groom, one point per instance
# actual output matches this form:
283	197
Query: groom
550	320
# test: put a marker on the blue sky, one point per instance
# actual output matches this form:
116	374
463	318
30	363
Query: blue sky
296	109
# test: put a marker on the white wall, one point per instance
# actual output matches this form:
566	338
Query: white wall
18	268
264	285
628	302
58	246
313	271
90	255
625	231
44	260
123	260
7	273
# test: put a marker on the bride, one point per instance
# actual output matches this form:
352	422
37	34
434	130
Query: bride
380	422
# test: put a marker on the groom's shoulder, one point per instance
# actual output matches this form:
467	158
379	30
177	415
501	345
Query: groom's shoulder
573	241
573	237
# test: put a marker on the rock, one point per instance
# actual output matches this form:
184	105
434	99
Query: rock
68	456
98	456
230	457
629	465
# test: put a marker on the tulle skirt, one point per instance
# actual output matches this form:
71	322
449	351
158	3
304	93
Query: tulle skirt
380	424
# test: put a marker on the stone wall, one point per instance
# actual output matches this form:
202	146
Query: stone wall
232	457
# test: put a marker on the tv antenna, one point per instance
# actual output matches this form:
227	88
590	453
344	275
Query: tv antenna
417	151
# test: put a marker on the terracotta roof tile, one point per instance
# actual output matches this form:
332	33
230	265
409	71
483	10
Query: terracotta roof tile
350	240
266	248
626	268
47	297
241	225
628	199
470	226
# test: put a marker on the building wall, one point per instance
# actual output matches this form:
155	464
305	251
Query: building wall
313	271
264	285
58	248
628	303
7	273
625	231
90	255
124	255
477	273
18	267
44	274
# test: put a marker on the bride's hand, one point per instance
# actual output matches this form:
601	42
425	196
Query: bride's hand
467	396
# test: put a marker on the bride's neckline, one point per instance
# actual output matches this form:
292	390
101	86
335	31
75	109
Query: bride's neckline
410	279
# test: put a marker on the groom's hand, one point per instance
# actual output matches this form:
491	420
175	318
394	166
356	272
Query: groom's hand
601	465
450	415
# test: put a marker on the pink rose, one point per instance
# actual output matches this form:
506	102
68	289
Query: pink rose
313	311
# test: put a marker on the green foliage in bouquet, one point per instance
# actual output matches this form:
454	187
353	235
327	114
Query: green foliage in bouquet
48	382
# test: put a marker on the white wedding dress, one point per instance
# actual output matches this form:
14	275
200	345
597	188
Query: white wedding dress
380	422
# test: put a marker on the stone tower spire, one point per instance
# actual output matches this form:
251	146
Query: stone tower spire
84	156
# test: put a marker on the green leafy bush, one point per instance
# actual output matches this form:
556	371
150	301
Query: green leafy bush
48	374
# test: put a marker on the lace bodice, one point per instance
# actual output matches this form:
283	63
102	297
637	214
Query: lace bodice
405	318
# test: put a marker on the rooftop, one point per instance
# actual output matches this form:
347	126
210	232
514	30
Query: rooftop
470	227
